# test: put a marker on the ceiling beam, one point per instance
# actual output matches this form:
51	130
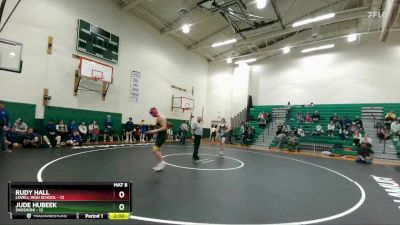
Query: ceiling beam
131	5
356	13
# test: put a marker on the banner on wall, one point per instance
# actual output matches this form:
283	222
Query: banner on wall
134	91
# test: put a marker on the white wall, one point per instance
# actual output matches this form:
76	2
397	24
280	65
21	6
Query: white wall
228	89
360	72
161	60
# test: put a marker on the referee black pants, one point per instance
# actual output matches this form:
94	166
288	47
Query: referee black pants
197	139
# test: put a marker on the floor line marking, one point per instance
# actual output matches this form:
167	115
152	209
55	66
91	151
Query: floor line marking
336	216
207	161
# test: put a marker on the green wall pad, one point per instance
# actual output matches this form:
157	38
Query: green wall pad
80	115
21	110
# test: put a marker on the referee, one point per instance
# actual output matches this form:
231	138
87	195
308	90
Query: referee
197	131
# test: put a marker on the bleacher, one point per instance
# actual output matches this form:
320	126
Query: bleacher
323	142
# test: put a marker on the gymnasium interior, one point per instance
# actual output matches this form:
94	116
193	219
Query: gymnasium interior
309	90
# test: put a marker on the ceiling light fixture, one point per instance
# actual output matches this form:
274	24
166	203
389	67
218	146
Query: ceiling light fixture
245	61
286	50
261	4
186	28
224	43
352	37
317	48
315	19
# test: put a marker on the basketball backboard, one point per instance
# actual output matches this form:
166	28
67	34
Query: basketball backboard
10	56
95	70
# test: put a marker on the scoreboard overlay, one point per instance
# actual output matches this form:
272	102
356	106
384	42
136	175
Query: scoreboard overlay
66	200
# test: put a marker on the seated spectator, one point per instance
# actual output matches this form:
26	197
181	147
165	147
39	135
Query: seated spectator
279	129
50	136
343	133
318	130
280	140
94	131
390	116
395	127
338	124
299	117
300	132
72	126
62	130
364	154
367	140
83	131
308	118
331	128
334	118
352	128
383	134
31	139
357	138
74	139
128	130
249	135
262	123
136	133
20	126
316	117
108	129
13	138
286	129
358	122
292	142
347	122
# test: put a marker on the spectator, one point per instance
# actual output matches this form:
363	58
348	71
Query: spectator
343	133
94	131
280	140
334	118
316	117
331	128
279	129
31	139
383	134
300	132
357	138
338	124
318	130
62	130
262	123
74	139
395	127
367	140
4	121
249	135
299	117
128	130
353	128
213	133
13	138
184	130
20	126
243	132
170	133
364	154
286	129
288	107
143	131
83	132
136	133
268	117
50	136
292	142
358	122
108	129
308	118
347	122
390	116
72	126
